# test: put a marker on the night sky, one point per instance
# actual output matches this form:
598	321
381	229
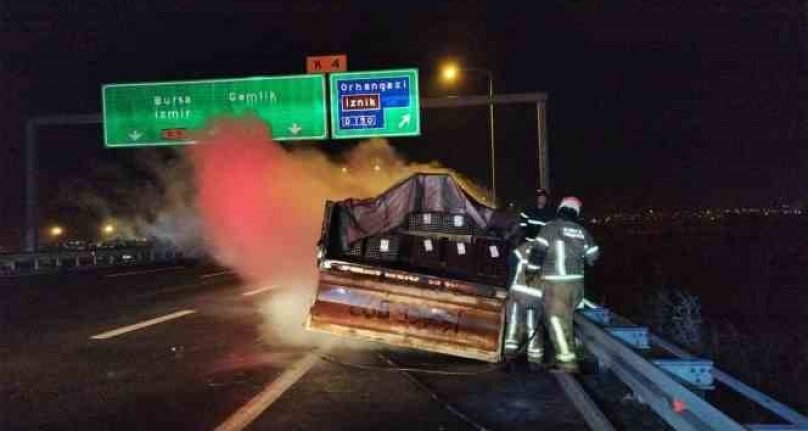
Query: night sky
652	103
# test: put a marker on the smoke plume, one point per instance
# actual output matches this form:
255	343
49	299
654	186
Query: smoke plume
152	196
261	206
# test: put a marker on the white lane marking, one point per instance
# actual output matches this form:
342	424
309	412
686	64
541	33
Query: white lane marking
145	271
177	288
216	274
141	325
257	291
250	411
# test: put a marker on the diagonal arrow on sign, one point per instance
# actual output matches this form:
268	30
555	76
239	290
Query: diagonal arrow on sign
405	119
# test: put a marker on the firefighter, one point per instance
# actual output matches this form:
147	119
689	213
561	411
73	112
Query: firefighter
564	248
531	220
524	328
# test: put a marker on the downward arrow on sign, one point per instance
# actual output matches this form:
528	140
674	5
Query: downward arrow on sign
295	129
135	135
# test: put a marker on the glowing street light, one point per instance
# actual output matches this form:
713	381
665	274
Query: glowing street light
108	229
450	72
56	231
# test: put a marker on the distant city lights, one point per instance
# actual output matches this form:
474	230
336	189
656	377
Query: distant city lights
712	214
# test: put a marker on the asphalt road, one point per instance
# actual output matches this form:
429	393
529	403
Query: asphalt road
182	347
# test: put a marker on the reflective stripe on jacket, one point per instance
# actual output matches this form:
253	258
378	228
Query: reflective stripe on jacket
567	248
532	220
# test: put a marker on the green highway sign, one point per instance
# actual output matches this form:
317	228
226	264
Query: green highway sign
377	103
165	113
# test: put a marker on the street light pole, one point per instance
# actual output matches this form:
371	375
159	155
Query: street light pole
450	74
490	75
491	127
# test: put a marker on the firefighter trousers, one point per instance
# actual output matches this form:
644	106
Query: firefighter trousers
560	301
524	321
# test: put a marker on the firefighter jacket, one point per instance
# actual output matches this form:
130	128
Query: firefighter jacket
562	249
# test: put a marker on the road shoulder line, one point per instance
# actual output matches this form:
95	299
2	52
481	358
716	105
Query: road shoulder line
591	413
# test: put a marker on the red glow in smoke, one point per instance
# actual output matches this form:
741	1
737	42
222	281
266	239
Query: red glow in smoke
255	202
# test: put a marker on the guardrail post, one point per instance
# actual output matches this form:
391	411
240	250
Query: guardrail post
78	261
600	315
635	336
36	264
111	259
695	372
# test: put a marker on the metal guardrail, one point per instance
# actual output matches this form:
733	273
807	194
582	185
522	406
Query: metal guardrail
783	411
26	263
682	408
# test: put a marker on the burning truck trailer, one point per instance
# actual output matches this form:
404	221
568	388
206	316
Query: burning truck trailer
418	266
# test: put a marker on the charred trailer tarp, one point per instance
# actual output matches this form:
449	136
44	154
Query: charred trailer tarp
418	266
